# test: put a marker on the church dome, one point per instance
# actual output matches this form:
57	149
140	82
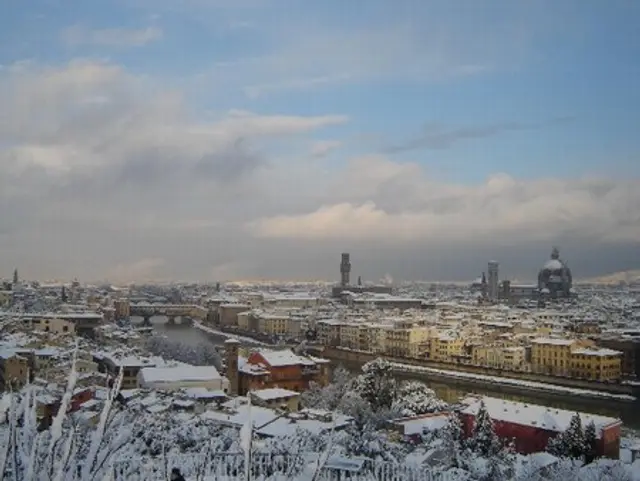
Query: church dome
555	277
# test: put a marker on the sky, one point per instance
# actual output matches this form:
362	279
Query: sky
212	140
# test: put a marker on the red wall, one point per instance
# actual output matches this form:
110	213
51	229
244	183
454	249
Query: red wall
530	439
76	400
286	377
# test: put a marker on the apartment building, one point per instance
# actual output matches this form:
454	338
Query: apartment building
575	358
551	356
273	323
445	347
501	357
407	340
596	364
130	366
328	332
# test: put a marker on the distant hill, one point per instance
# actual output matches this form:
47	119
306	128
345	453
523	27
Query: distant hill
615	278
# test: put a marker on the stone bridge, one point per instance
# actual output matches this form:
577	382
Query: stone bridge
186	312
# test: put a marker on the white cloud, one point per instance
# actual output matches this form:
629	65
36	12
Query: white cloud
92	153
323	148
97	162
396	203
78	35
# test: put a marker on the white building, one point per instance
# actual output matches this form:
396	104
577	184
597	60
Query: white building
182	377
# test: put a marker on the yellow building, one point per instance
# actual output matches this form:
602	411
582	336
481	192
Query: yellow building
445	347
596	364
513	358
551	356
406	340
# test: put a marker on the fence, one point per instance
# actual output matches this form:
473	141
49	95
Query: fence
269	467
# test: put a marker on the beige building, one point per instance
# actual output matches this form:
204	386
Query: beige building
243	320
14	370
228	313
54	326
293	302
501	357
328	332
122	308
274	324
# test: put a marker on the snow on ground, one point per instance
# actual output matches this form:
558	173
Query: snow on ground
535	386
242	339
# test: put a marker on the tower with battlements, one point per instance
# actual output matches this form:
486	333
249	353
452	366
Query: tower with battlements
345	269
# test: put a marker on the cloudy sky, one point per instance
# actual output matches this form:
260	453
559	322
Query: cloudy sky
238	139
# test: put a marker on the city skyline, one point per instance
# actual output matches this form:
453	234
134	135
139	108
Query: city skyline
214	140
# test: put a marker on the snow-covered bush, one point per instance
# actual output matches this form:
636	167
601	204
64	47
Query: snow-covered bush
415	398
329	396
376	384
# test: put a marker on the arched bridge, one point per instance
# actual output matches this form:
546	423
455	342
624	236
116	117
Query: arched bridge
187	312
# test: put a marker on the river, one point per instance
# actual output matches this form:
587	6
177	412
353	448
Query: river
454	390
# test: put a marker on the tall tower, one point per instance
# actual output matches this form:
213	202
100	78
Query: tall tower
345	269
231	347
493	280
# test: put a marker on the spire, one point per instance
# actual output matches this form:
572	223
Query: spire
16	279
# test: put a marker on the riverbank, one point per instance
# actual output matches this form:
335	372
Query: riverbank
512	384
217	332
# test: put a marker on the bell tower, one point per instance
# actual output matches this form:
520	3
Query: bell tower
231	347
345	269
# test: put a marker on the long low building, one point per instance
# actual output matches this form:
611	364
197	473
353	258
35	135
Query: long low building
531	425
182	377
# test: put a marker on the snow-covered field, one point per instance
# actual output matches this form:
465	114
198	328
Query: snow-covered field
532	385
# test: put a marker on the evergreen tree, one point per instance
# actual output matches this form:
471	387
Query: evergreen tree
557	446
570	443
376	384
453	439
484	440
590	442
574	437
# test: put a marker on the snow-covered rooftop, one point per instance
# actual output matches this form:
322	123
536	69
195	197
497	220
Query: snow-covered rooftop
534	415
179	373
273	393
553	341
602	352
